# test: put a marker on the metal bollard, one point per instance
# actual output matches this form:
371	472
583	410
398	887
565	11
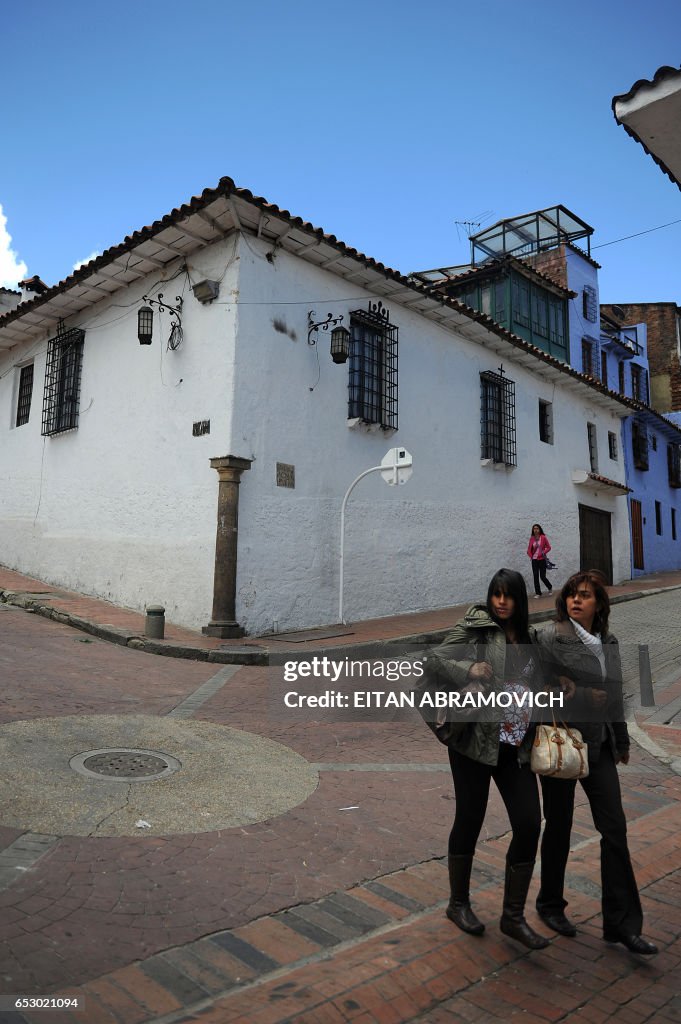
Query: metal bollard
645	677
155	622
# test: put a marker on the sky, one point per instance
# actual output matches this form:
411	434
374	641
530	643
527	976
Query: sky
386	123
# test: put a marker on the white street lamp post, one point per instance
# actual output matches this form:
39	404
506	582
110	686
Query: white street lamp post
395	468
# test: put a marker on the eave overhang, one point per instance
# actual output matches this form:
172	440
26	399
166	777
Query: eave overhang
219	212
650	113
599	484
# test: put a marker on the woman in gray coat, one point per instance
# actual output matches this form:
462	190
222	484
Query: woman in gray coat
579	646
490	651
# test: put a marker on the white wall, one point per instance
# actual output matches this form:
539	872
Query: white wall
124	507
433	542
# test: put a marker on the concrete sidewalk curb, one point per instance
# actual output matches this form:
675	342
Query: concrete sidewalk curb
641	737
242	654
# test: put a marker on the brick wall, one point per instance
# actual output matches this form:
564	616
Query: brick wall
663	354
552	263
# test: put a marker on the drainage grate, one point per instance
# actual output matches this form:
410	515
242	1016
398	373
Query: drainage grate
124	765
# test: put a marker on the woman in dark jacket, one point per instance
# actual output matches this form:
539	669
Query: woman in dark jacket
579	646
490	651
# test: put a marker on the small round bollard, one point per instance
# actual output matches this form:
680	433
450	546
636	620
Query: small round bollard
155	622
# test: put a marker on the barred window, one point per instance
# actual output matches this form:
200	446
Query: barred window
593	447
639	443
61	397
639	383
497	418
588	357
589	305
674	464
545	422
373	367
25	394
612	445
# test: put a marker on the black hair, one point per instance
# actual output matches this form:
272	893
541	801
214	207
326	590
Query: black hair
512	584
596	580
533	526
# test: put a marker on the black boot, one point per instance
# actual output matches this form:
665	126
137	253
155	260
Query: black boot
459	909
513	923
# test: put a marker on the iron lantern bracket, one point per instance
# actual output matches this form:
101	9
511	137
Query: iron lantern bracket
313	327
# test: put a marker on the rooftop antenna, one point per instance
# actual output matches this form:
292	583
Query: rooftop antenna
468	225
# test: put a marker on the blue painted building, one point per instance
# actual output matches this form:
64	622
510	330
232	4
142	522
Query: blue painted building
646	454
529	274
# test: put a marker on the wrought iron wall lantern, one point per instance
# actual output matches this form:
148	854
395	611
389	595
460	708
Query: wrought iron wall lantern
340	344
340	337
145	325
145	320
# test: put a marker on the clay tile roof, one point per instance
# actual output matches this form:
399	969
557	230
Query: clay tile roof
226	189
493	267
34	284
606	480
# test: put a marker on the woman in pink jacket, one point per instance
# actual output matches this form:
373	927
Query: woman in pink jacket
537	550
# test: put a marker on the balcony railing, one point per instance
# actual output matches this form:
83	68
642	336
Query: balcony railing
626	339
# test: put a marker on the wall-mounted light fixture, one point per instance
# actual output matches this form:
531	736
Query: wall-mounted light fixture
145	320
340	337
145	325
206	291
340	344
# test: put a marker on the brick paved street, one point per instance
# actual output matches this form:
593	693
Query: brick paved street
331	910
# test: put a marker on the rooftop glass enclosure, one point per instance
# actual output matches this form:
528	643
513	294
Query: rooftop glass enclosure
529	233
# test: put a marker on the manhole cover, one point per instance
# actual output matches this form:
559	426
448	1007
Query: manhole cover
124	765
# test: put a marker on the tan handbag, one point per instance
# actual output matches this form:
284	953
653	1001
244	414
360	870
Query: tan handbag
559	752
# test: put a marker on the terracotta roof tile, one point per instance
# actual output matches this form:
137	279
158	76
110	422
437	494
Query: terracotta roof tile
226	188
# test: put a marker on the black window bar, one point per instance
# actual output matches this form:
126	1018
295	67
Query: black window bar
674	464
25	395
593	447
612	445
639	443
497	418
588	357
61	397
589	304
372	382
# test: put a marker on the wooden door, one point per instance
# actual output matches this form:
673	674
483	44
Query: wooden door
637	534
595	542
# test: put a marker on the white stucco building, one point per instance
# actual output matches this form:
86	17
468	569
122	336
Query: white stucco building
106	479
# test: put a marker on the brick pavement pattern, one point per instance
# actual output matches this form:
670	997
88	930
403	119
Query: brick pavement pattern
333	911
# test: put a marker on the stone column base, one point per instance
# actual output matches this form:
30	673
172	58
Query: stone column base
227	630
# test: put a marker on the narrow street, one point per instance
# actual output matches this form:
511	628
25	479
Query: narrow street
287	871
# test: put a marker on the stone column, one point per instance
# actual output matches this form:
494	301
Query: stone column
223	621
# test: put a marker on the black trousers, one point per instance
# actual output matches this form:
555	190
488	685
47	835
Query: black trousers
621	904
517	786
539	569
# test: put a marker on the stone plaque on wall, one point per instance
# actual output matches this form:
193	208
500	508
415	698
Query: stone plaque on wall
286	475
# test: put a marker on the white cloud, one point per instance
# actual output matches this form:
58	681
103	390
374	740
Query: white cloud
81	263
12	269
